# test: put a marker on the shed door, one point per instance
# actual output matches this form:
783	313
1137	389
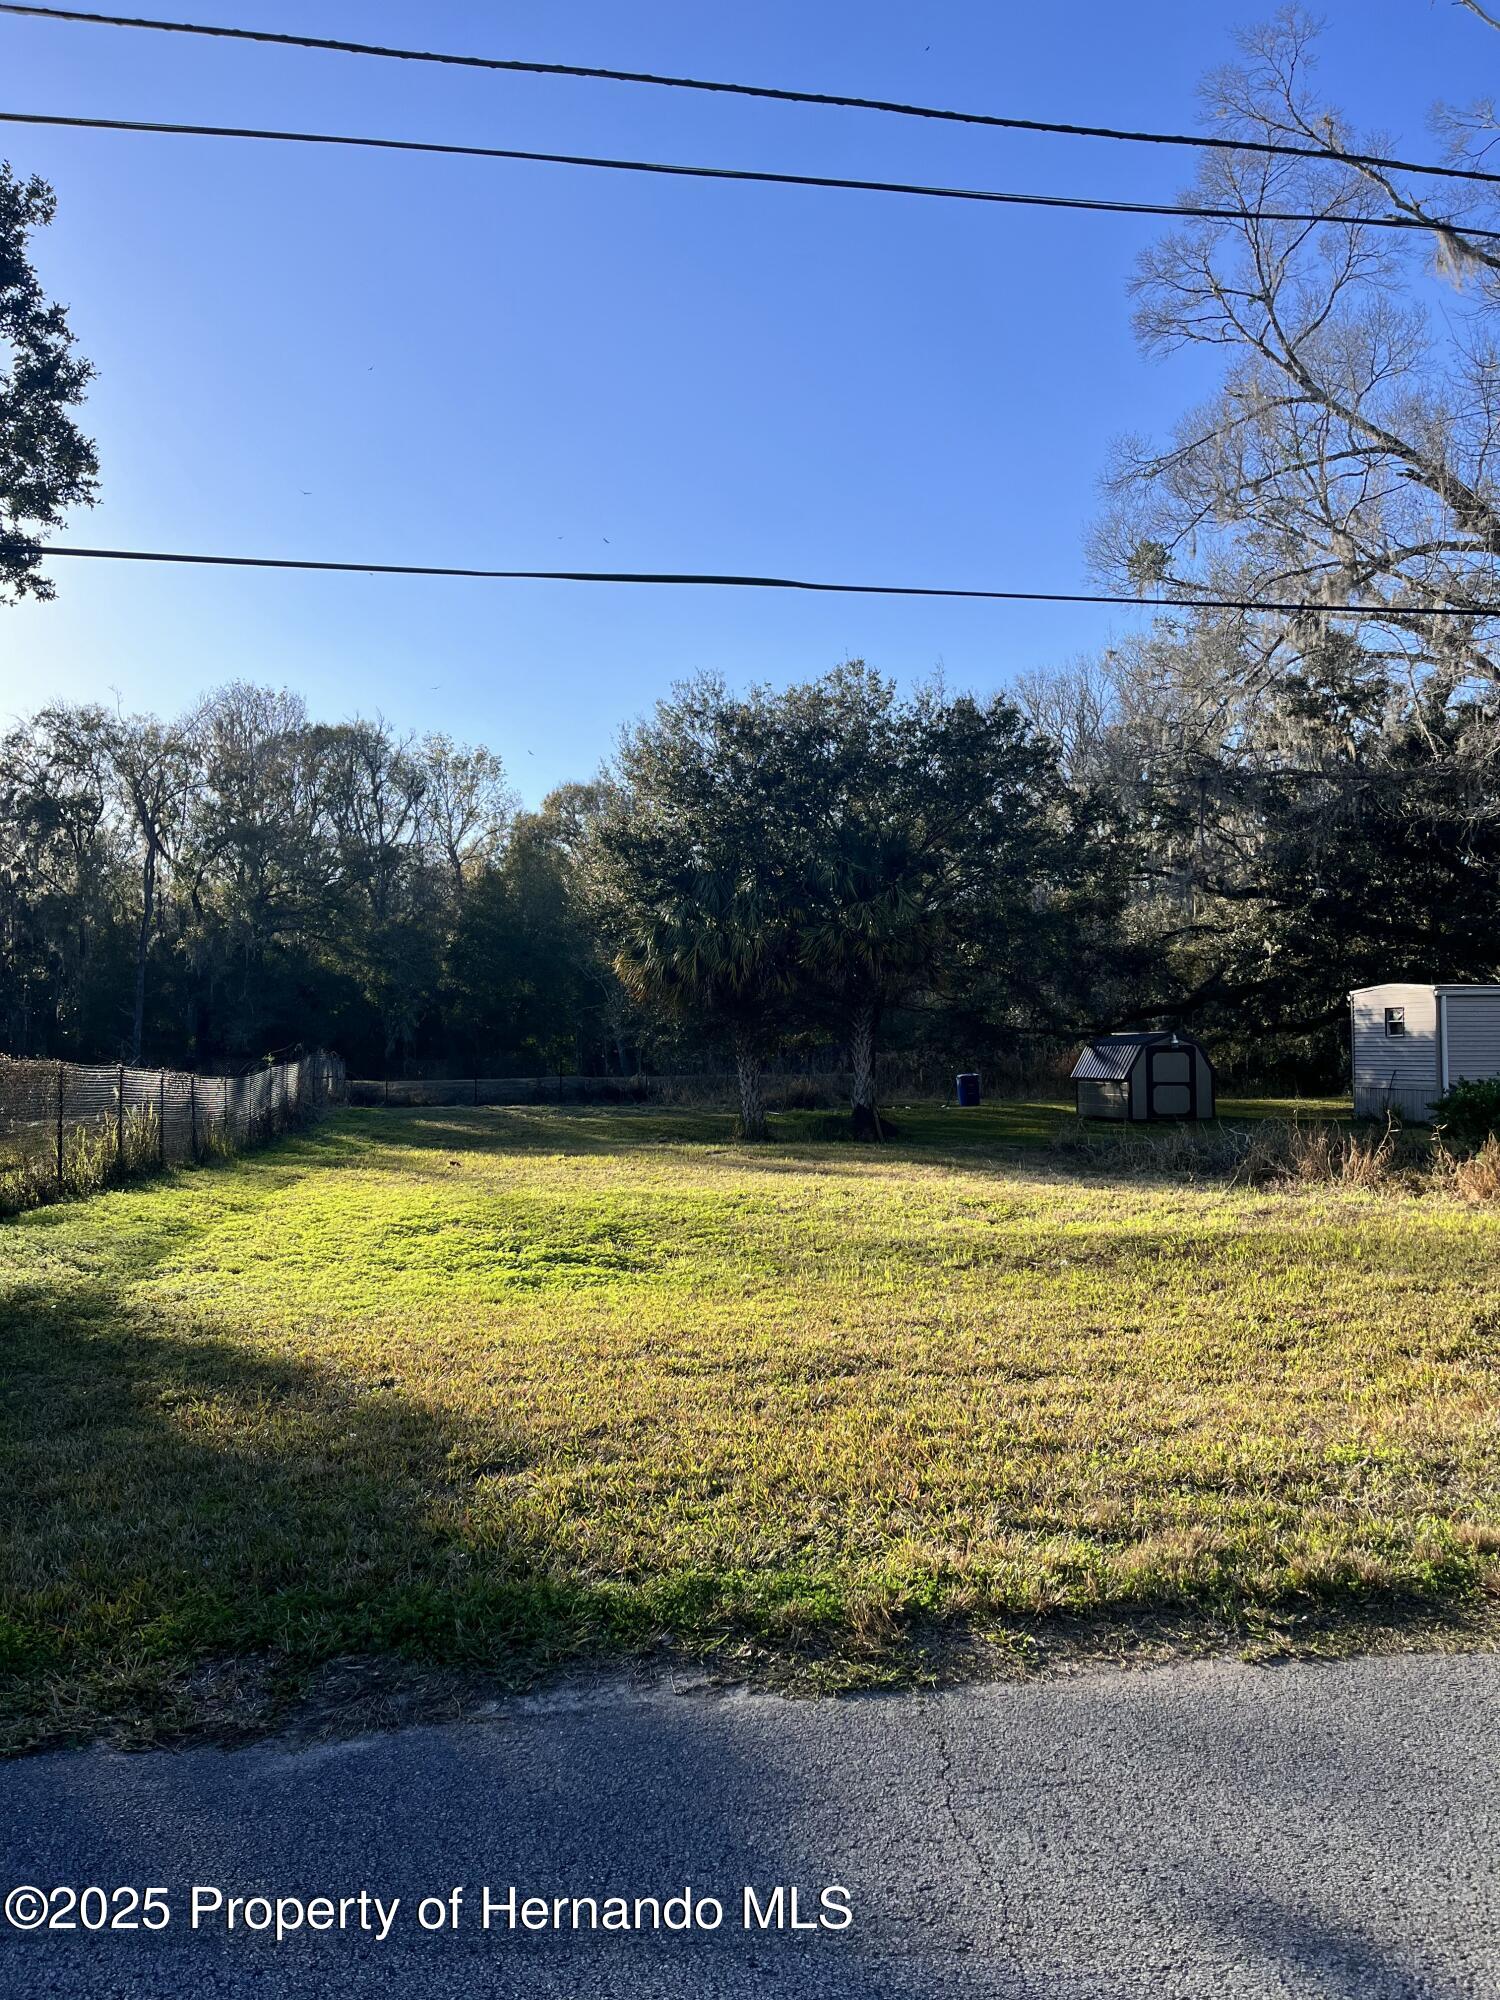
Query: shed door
1171	1083
1472	1035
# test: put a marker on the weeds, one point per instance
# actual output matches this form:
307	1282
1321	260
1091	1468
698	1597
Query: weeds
1188	1152
94	1157
1330	1155
1270	1153
1473	1177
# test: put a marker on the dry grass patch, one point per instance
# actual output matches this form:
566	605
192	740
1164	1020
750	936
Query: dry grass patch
1476	1177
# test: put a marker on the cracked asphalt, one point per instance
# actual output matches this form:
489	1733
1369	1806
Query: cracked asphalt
1207	1830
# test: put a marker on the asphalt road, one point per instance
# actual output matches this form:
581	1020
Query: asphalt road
1212	1831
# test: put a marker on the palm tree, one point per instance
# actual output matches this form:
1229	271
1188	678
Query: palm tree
708	947
868	934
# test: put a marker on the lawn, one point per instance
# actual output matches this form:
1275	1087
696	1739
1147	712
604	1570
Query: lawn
500	1388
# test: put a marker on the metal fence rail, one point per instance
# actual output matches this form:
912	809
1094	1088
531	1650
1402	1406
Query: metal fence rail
70	1127
782	1088
704	1087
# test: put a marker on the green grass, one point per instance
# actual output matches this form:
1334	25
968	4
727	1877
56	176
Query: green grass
499	1388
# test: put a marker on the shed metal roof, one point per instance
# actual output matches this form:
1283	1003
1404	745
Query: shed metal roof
1101	1064
1108	1058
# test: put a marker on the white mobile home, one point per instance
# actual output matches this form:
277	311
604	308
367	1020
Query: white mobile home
1411	1043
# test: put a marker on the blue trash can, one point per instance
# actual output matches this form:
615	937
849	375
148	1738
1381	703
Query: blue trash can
968	1089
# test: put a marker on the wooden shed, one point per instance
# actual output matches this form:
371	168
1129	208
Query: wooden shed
1410	1042
1139	1077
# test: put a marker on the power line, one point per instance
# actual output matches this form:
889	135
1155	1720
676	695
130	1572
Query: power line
755	175
713	581
832	99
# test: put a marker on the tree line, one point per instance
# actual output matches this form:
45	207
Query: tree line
1154	837
752	873
243	879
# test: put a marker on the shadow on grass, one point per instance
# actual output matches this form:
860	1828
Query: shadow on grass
919	1132
194	1525
188	1518
1005	1137
176	1498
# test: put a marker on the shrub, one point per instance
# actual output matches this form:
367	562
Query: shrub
806	1093
1470	1113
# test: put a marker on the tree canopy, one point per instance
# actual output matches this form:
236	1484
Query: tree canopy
46	463
800	861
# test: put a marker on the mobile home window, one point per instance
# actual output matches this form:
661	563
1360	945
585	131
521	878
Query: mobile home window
1395	1020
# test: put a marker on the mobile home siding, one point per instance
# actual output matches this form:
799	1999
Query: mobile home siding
1471	1036
1395	1073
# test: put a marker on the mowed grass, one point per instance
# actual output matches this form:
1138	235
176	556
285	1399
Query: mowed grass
500	1388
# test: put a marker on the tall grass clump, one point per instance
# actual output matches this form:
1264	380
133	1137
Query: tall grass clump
1287	1152
1190	1152
94	1157
1472	1176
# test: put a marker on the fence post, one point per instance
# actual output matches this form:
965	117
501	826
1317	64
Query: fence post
224	1114
193	1113
476	1089
161	1119
62	1084
120	1120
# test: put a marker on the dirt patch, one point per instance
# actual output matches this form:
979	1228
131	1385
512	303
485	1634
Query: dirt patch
235	1701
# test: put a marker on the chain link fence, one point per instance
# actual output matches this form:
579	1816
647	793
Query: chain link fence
900	1077
69	1128
706	1087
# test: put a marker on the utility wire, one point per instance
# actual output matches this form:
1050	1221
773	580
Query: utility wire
761	176
818	97
710	580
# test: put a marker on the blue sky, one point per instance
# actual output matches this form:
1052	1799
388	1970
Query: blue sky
397	359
